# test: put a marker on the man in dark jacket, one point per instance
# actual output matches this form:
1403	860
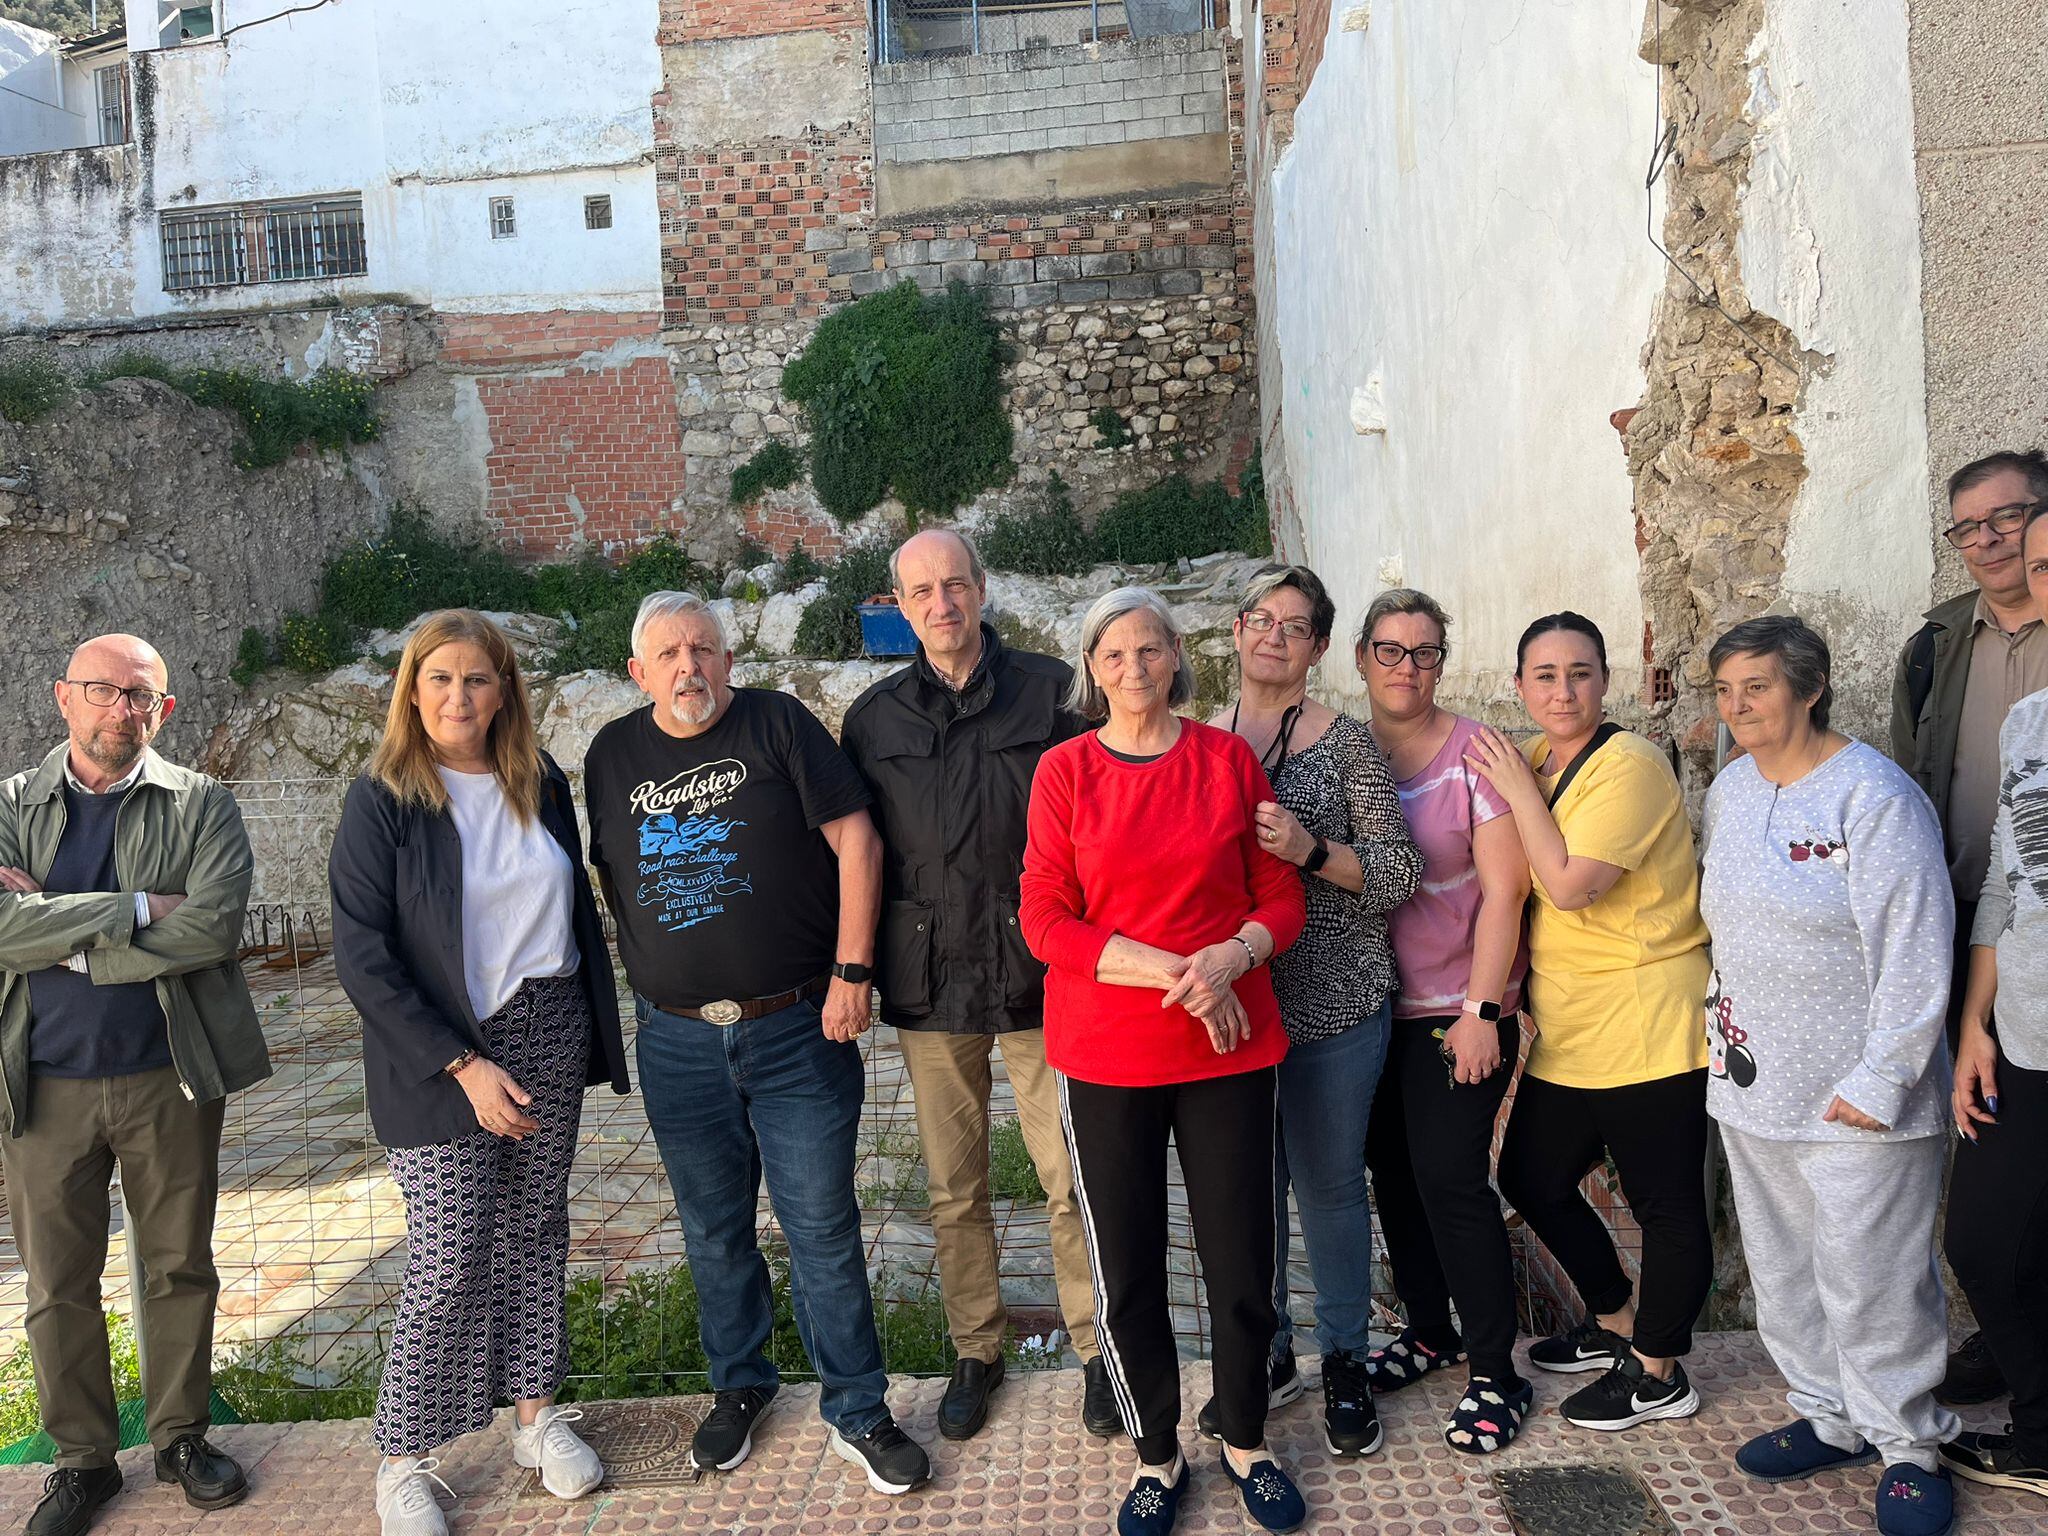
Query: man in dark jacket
1976	656
124	1024
948	746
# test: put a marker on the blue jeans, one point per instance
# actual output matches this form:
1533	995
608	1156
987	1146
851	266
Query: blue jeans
769	1095
1325	1102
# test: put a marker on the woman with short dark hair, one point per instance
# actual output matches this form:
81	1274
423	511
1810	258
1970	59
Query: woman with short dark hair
1617	968
1149	893
467	937
1334	816
1827	892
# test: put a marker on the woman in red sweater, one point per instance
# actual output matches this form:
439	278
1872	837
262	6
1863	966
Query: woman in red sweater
1147	893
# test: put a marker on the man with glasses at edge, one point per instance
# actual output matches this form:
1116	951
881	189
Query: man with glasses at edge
1977	655
124	1024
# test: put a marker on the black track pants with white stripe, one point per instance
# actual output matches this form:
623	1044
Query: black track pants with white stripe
1222	1128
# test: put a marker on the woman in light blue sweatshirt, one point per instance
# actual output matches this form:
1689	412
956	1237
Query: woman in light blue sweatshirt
1827	892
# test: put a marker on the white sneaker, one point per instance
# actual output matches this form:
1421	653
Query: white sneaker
405	1497
569	1468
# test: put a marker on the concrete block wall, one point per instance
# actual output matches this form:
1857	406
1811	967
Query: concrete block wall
1120	92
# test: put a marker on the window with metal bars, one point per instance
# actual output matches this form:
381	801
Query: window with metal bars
278	242
597	211
504	222
110	87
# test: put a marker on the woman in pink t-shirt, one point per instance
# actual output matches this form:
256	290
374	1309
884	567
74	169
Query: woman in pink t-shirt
1460	952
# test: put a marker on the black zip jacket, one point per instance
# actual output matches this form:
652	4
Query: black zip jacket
951	775
396	878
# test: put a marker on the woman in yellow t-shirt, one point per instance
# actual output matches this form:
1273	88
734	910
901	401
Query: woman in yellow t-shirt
1617	983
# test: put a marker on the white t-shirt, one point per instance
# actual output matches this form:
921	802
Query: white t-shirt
517	894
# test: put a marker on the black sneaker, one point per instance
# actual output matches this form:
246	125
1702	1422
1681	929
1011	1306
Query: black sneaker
1350	1425
210	1477
1973	1376
1283	1386
1993	1460
1629	1395
1100	1415
71	1497
893	1461
1588	1347
726	1436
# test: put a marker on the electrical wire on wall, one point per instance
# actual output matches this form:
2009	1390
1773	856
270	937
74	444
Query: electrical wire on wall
297	10
1661	155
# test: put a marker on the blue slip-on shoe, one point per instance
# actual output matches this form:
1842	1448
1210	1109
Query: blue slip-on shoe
1269	1494
1911	1501
1796	1451
1151	1506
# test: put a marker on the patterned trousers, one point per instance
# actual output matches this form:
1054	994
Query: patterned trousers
480	1314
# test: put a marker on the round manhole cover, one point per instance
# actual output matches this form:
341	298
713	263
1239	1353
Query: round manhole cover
639	1443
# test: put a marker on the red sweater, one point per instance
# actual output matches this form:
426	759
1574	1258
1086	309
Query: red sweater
1166	853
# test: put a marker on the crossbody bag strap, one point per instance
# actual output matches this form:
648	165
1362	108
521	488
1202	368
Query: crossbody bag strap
1607	732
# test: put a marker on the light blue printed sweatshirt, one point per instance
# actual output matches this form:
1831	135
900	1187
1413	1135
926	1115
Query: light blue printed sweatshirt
1833	925
2013	914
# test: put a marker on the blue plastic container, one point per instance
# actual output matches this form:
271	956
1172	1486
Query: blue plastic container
885	632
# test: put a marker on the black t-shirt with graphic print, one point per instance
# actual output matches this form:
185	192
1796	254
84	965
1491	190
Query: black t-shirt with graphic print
709	849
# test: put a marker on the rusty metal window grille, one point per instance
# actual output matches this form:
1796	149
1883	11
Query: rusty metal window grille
504	223
913	29
264	243
597	211
110	86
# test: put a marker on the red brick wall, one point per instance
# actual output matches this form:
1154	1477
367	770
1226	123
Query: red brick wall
580	455
779	529
692	21
1293	32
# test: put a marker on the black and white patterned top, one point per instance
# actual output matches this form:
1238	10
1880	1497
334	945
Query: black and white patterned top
1341	969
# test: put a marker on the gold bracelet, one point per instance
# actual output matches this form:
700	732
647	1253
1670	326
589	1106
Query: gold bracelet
455	1067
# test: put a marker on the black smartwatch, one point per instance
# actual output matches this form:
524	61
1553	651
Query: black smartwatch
847	970
1316	859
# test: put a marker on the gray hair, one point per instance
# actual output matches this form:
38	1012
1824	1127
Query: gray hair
1404	600
1801	653
973	557
1268	579
675	605
1086	699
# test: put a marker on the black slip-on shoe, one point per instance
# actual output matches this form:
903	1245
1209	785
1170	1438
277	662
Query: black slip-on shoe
1099	1413
964	1408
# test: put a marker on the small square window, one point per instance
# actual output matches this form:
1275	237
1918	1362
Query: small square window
597	211
503	225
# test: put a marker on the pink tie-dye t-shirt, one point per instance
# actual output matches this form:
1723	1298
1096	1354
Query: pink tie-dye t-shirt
1432	930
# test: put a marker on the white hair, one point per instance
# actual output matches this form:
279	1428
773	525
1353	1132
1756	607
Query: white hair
1085	697
675	605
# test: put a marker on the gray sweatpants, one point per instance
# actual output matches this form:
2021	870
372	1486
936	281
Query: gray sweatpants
1840	1241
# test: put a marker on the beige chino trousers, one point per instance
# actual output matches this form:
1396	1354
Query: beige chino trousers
951	1076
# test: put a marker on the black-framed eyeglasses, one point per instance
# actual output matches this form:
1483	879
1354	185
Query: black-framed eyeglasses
1391	653
144	701
2000	520
1260	622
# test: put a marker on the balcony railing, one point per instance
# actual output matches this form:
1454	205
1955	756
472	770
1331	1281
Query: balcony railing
913	29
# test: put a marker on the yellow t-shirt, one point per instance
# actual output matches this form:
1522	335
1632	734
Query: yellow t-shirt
1616	988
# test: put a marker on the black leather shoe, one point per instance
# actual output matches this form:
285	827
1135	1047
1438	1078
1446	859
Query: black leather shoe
1973	1376
71	1497
211	1478
1099	1415
964	1408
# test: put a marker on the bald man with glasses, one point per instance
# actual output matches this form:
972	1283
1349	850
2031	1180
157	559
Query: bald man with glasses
124	1024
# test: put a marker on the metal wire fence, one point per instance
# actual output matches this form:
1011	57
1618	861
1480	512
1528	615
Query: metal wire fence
310	1235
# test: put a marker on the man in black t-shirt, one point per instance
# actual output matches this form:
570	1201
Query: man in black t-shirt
734	846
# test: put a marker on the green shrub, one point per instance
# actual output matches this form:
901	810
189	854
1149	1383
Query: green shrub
252	657
314	643
1051	541
133	365
829	629
413	569
774	465
861	573
903	391
31	386
1011	1173
1177	517
602	641
799	569
268	1381
1109	427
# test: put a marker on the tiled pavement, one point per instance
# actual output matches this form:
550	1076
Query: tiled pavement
1034	1471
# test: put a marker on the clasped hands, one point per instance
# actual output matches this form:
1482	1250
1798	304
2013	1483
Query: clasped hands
1201	983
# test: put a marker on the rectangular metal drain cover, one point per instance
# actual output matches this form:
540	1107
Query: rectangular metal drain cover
642	1445
1583	1500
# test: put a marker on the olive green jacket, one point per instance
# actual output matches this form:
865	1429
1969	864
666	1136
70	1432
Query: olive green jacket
1924	738
177	833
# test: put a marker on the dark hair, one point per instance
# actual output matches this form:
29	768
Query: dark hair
1268	579
1577	623
2030	462
1801	653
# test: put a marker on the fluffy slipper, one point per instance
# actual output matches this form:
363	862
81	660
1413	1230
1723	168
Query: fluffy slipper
1406	1361
1488	1416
